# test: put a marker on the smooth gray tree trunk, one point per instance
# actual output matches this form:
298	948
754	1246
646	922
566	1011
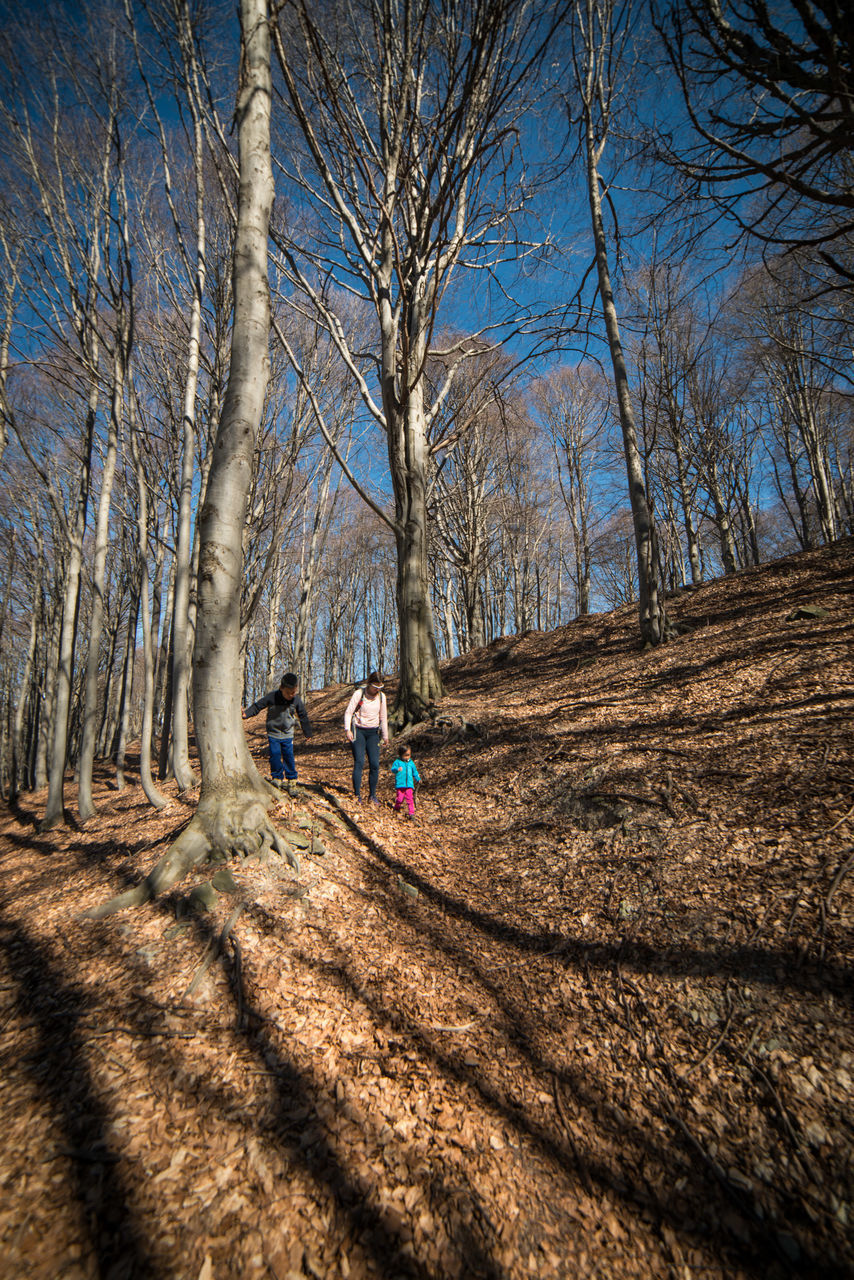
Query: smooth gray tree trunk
58	751
233	802
18	722
123	712
228	771
152	794
85	803
182	633
598	38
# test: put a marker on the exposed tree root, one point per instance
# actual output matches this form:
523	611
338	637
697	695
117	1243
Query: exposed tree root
213	951
408	714
223	826
439	728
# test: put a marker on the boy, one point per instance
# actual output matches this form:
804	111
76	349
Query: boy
406	775
284	707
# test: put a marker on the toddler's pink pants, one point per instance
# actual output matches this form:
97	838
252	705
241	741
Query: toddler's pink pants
407	794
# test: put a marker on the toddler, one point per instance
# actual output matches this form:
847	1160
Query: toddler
406	775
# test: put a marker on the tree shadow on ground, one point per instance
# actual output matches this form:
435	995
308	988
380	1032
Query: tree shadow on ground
747	1242
290	1123
761	963
58	1070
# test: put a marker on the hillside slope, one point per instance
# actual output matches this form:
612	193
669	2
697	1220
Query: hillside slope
589	1015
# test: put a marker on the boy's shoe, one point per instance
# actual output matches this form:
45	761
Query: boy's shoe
375	802
292	787
278	782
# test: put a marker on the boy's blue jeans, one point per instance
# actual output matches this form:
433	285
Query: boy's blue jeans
282	752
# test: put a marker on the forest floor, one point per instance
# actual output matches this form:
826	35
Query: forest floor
588	1015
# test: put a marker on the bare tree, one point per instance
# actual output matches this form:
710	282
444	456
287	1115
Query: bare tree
470	484
152	794
602	39
233	803
574	413
119	276
770	94
60	136
792	366
11	256
408	113
173	23
671	337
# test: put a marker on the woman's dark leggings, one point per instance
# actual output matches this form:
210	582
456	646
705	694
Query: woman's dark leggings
366	740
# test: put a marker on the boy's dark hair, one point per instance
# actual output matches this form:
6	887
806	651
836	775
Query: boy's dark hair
405	750
289	681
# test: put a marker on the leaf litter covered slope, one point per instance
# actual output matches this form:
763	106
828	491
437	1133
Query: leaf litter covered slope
589	1015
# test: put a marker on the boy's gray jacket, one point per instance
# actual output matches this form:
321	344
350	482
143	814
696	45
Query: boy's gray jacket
281	714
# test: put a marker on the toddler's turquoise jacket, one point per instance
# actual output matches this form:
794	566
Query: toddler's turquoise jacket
405	774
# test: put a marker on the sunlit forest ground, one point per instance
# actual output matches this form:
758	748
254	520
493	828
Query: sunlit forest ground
588	1015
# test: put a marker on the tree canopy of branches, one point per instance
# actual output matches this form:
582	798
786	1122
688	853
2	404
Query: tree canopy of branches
769	89
408	115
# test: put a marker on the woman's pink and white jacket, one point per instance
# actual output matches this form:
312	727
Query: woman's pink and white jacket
372	713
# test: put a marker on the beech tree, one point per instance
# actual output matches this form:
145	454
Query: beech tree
523	529
61	266
469	486
153	796
233	801
602	37
408	114
119	275
800	385
670	338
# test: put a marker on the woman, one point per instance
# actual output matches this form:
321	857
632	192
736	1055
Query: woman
365	719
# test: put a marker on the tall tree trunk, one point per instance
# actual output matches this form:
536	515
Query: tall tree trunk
192	610
585	572
119	748
233	802
420	681
723	520
819	467
182	634
85	803
54	811
152	794
228	771
160	652
110	698
5	341
789	444
164	758
48	694
687	519
653	626
273	659
601	34
302	656
24	690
